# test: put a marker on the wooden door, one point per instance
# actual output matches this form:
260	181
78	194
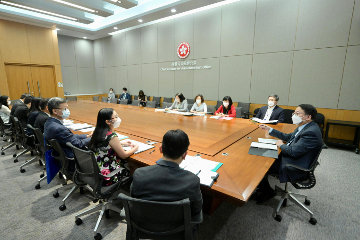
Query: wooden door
44	80
19	80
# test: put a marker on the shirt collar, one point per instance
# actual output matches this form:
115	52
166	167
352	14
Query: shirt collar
302	127
167	163
272	108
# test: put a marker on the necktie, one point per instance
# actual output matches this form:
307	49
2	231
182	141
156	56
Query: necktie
292	138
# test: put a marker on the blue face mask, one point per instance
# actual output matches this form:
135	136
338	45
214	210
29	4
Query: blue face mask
65	113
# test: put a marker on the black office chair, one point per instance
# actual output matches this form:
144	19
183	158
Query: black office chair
287	115
157	100
190	102
104	99
238	112
168	100
124	101
88	172
96	98
135	102
320	120
245	109
166	105
210	109
307	182
218	104
60	156
159	220
151	104
13	137
7	134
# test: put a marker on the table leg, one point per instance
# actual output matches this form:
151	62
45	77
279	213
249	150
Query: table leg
210	203
327	132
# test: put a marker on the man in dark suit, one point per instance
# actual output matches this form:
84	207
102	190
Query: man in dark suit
22	111
272	111
124	95
43	115
301	148
166	181
18	102
54	128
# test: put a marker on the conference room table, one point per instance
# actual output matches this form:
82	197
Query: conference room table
224	141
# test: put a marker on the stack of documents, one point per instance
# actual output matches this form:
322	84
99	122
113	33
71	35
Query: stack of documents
221	117
265	147
264	121
88	129
142	147
203	168
78	126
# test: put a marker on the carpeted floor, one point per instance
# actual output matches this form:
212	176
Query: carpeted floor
27	213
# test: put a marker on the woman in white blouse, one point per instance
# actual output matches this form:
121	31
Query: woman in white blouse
111	94
199	105
180	104
4	108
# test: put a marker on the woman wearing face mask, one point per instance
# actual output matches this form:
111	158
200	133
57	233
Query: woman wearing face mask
180	104
199	105
4	108
227	109
111	94
105	144
143	99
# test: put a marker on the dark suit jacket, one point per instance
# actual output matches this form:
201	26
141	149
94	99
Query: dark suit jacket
31	120
127	96
54	129
15	105
167	182
40	121
301	152
277	114
21	113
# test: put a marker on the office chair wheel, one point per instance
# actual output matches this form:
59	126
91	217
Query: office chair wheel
62	207
95	200
17	147
78	221
40	163
313	221
278	218
56	195
107	213
357	151
2	153
307	202
15	160
37	186
284	203
22	170
42	175
98	236
81	190
14	155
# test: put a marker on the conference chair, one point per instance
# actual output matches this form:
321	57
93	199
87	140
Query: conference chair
190	101
166	105
210	109
41	150
135	102
124	101
59	155
7	135
130	99
104	99
245	109
88	172
151	104
159	220
218	104
13	137
168	100
136	97
96	98
287	115
320	120
157	100
238	112
306	183
72	98
113	100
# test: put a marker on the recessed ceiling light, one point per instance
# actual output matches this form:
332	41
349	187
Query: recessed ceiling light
84	37
115	28
140	20
57	29
173	10
74	5
37	10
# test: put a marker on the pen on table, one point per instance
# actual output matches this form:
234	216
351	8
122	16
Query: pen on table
199	172
152	151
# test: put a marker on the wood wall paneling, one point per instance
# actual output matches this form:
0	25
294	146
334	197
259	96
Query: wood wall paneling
19	80
40	45
56	47
44	78
58	78
3	80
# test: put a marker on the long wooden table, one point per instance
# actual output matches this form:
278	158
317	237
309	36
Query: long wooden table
240	173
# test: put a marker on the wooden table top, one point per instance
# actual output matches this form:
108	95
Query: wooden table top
240	173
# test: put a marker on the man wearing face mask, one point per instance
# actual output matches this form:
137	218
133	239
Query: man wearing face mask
300	149
124	95
272	111
54	128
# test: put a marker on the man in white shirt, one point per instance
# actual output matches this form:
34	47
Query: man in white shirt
272	111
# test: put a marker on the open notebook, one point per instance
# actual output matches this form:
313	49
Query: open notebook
142	147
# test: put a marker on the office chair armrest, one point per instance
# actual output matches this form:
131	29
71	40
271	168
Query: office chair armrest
197	219
297	167
113	173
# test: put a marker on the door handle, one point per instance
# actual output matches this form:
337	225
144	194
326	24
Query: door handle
39	89
28	86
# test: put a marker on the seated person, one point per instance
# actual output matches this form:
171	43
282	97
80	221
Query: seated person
54	129
199	105
180	104
272	111
111	95
108	150
22	111
19	102
4	108
166	181
227	109
301	147
143	99
34	111
43	115
124	95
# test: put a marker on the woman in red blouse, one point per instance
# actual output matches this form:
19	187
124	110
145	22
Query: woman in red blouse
227	109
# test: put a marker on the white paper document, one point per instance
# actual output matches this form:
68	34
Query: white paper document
159	110
78	126
68	122
207	177
267	140
221	117
263	121
87	129
264	145
142	147
121	137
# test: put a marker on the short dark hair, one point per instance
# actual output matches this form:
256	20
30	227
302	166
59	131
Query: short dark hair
24	95
228	98
55	103
181	96
35	104
274	96
111	89
175	143
28	99
125	89
309	110
201	96
43	103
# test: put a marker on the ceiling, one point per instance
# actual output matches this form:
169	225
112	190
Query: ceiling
93	19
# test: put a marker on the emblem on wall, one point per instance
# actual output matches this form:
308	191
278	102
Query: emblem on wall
183	50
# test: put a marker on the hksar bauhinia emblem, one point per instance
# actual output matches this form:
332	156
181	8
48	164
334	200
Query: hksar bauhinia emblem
183	50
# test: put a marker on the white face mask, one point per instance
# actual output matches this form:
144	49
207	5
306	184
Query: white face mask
117	123
177	100
271	103
9	102
225	104
111	91
65	113
296	119
198	101
124	92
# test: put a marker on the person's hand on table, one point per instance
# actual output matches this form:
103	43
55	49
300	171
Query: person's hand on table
279	143
126	142
134	145
89	135
166	109
174	109
264	127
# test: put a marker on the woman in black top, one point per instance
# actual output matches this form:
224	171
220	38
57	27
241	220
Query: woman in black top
143	99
